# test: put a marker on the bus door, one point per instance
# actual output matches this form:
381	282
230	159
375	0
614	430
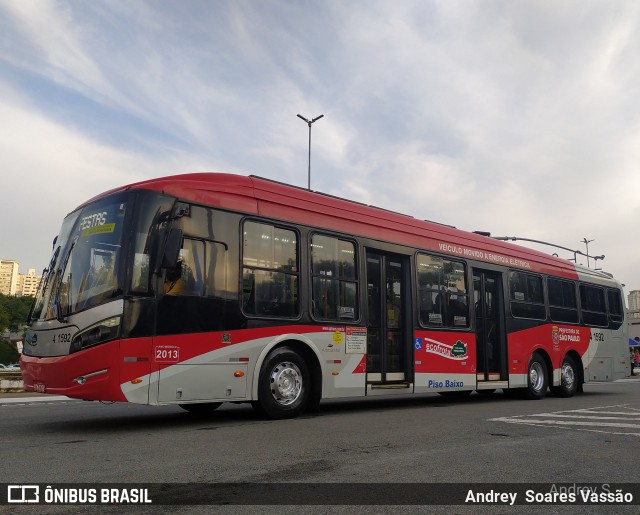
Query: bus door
388	349
490	329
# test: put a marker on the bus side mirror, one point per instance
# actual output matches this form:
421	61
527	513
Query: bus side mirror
172	247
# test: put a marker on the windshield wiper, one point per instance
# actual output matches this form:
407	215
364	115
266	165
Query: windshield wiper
58	287
44	284
69	298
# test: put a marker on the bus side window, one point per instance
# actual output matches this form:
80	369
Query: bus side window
249	293
616	313
526	296
442	292
563	301
334	290
270	275
592	303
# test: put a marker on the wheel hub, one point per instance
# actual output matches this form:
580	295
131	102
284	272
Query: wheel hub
536	376
568	377
286	383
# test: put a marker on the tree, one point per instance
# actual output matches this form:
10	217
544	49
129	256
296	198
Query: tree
4	319
14	312
8	353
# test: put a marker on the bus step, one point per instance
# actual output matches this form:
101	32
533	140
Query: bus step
389	386
490	385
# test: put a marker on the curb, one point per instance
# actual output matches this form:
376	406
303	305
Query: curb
11	382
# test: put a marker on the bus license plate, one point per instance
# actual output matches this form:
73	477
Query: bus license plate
39	387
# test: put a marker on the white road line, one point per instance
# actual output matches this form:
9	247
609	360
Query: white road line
591	412
565	423
635	418
599	419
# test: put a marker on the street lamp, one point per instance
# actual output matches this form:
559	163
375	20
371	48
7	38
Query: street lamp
309	122
586	242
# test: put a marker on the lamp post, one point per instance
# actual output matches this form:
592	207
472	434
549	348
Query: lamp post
309	122
586	242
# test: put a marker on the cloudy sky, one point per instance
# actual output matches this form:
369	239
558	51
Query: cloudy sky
519	118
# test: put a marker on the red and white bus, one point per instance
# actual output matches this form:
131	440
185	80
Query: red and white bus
201	289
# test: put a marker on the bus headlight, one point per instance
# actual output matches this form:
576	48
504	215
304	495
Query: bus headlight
102	332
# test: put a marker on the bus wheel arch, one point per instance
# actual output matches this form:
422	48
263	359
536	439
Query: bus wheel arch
289	381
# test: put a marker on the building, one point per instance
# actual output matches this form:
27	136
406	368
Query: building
634	313
28	284
8	277
14	283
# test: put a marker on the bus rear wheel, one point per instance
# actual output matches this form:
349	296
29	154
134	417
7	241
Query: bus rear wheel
537	378
284	385
201	408
568	379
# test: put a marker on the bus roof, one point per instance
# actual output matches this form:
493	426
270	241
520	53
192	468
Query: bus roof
263	197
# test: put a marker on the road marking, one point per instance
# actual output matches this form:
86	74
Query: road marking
561	415
28	400
625	419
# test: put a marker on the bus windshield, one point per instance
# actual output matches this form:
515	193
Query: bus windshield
83	271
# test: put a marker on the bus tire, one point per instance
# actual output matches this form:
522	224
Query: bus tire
284	385
201	408
568	379
537	378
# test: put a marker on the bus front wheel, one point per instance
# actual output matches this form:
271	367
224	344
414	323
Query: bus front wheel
284	385
537	378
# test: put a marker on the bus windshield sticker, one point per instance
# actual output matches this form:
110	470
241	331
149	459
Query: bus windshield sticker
96	223
98	229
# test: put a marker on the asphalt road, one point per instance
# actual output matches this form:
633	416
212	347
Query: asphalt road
591	438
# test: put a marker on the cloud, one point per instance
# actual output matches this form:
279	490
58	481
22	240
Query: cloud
49	170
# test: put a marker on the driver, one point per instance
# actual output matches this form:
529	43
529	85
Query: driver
174	284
